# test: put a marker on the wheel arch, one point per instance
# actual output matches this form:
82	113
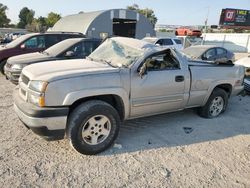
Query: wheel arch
227	87
113	99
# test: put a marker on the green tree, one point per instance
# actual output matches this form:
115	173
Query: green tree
37	25
149	13
4	20
42	24
52	19
42	20
163	30
26	17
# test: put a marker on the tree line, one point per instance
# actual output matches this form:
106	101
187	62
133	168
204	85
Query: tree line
28	21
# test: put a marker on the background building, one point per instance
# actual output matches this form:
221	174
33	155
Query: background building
100	24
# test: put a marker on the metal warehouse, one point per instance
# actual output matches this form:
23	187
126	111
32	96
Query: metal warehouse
100	24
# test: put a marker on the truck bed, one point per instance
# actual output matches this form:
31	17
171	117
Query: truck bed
205	74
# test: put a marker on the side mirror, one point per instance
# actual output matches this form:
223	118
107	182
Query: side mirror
143	70
69	54
23	46
157	44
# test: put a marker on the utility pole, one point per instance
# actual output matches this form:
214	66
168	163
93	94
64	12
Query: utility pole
206	20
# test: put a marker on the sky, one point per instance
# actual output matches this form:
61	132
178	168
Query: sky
170	12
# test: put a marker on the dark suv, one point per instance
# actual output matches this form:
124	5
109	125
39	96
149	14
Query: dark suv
74	48
34	42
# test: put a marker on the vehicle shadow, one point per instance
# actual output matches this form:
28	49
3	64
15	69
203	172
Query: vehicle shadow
182	128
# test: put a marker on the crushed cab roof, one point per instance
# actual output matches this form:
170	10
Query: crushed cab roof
135	43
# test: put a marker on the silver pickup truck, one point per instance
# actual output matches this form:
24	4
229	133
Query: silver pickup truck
122	79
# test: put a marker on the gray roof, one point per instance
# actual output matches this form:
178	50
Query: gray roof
80	22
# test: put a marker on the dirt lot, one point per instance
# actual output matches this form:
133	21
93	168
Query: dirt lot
173	150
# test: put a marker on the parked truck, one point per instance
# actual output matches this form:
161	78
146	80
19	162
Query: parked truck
122	79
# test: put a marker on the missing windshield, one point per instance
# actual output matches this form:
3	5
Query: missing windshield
116	54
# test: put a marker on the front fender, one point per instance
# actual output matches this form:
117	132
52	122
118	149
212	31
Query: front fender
77	95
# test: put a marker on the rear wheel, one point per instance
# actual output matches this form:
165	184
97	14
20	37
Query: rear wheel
2	64
215	105
92	127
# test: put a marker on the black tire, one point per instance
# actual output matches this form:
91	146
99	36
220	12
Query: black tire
2	63
205	110
81	116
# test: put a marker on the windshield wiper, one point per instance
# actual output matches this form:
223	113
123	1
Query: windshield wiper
101	60
108	62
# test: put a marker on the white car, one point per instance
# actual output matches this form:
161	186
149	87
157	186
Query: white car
165	42
246	63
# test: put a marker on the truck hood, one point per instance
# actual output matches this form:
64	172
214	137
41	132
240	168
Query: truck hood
29	58
56	70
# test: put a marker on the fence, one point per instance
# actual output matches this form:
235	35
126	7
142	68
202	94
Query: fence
232	41
12	30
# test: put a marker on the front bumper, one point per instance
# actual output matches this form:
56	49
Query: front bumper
12	75
49	123
237	90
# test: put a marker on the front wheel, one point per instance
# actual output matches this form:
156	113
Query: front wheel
92	127
215	105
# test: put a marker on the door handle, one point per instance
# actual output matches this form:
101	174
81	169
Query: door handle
179	78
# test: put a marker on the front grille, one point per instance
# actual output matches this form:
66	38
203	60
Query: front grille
25	79
247	87
23	94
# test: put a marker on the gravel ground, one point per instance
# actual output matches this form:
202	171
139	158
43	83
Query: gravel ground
173	150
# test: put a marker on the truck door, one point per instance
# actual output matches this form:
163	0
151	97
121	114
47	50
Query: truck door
161	89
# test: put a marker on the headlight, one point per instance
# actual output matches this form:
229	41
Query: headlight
18	66
37	100
37	96
38	86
